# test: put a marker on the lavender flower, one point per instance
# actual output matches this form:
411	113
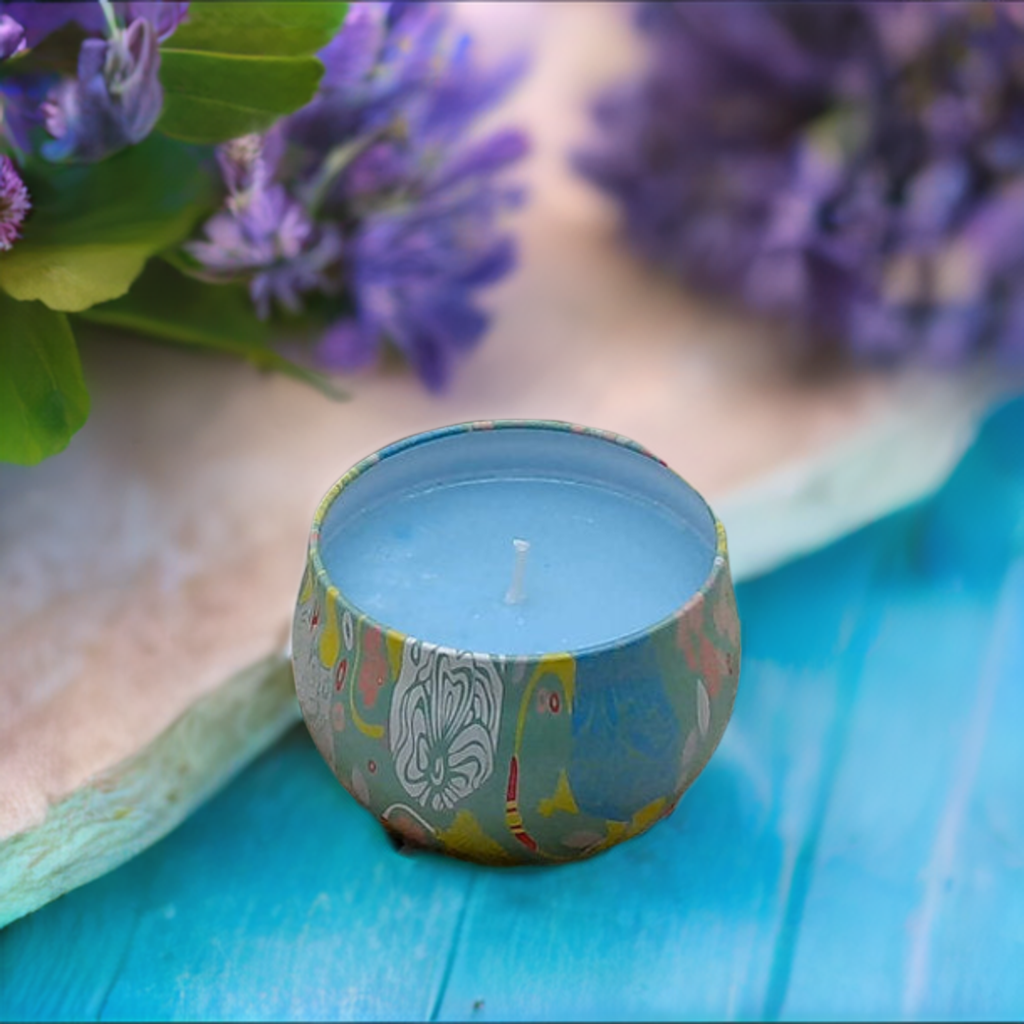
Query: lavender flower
164	15
39	19
12	37
413	274
854	168
21	99
265	236
114	102
244	165
386	207
14	204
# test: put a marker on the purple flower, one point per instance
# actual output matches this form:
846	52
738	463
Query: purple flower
394	211
115	100
14	204
413	274
164	15
243	164
21	99
116	97
41	18
264	236
346	346
12	37
842	166
268	240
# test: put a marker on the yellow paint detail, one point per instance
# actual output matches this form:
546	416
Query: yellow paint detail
465	837
646	816
620	831
307	586
617	832
723	544
330	635
562	800
395	644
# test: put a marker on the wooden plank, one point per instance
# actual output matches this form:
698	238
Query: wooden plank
915	891
61	966
280	899
967	945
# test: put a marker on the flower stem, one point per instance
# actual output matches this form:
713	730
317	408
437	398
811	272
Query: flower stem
111	15
7	140
335	162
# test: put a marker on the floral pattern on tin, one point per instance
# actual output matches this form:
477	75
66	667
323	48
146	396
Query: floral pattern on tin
708	636
433	743
373	671
444	722
315	700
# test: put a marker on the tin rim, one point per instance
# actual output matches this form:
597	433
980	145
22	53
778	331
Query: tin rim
719	564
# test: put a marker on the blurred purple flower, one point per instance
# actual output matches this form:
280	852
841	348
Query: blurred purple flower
21	100
413	274
12	37
839	165
39	19
164	15
266	238
114	102
14	203
244	165
400	209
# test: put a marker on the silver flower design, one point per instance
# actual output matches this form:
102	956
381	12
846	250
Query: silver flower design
443	728
314	681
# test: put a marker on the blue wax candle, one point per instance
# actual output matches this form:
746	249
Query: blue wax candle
518	541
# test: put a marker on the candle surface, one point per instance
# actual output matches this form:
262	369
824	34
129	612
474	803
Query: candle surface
431	553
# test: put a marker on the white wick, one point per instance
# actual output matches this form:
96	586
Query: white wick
516	592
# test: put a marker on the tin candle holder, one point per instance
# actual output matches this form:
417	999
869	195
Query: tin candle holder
607	667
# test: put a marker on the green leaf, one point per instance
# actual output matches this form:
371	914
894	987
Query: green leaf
235	68
93	227
294	29
43	398
169	305
212	97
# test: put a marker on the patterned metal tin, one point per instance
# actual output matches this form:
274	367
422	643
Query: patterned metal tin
535	759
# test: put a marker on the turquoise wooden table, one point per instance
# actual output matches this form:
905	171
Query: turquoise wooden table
854	850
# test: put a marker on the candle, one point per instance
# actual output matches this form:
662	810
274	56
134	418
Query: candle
433	556
516	642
